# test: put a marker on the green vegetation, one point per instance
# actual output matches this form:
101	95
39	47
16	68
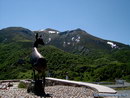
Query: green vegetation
14	60
22	85
15	64
83	68
123	88
96	65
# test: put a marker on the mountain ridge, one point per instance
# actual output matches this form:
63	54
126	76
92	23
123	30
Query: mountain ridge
15	34
79	40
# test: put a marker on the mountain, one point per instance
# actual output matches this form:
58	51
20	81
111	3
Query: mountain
15	34
79	41
83	56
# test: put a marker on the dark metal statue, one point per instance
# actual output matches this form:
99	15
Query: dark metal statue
39	64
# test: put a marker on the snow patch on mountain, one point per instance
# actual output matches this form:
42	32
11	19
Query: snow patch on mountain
68	43
112	45
76	39
51	32
64	44
72	38
49	39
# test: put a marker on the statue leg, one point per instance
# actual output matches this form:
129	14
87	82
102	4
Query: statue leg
34	77
43	79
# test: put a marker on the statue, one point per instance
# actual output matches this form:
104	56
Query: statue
39	64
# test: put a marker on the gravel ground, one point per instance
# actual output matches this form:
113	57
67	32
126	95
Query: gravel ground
69	92
55	91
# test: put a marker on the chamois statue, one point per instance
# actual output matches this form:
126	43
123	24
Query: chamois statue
39	64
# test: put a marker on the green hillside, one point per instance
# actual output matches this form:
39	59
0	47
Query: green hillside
96	66
15	63
82	68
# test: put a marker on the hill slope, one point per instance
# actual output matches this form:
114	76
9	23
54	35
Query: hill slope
15	34
85	58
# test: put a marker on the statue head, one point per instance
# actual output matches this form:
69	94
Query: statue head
39	40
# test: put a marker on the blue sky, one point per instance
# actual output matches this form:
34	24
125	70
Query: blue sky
107	19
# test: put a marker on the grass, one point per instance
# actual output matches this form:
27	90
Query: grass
22	85
123	88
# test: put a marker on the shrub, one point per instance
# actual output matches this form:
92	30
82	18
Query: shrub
22	85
